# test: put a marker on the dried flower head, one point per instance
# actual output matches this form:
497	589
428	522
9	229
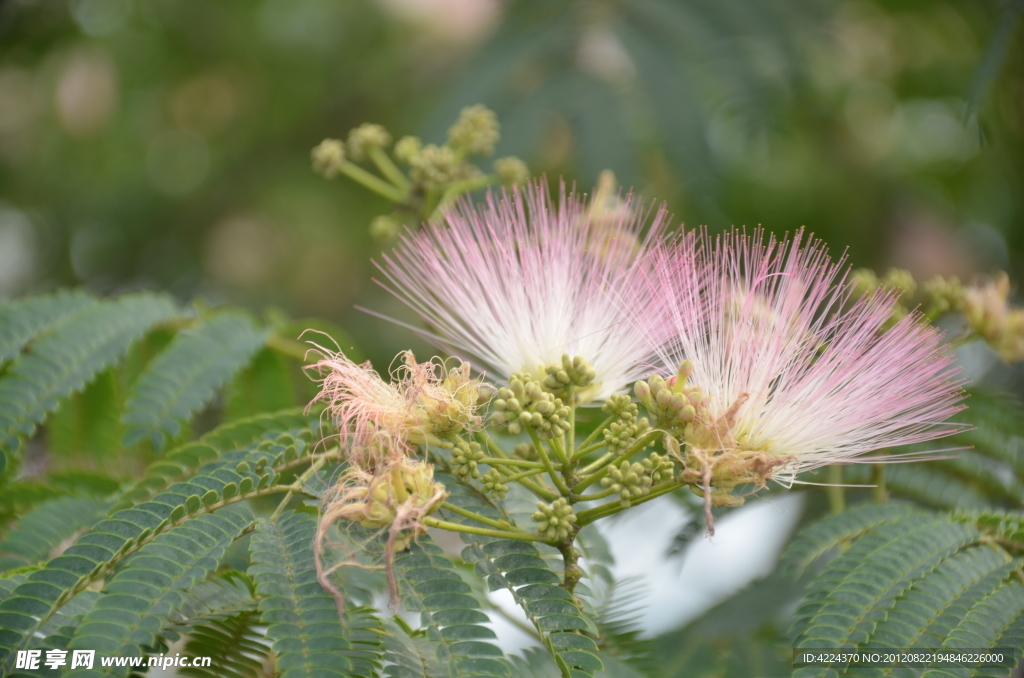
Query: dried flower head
517	283
396	497
781	373
425	403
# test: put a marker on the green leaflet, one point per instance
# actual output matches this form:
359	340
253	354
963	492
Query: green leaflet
834	530
265	385
226	445
186	375
111	541
66	360
135	604
302	619
235	644
518	567
23	320
917	580
856	589
44	529
410	654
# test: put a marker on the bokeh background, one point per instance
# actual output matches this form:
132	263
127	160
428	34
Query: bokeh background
164	144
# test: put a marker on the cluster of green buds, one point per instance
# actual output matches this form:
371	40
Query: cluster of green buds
493	485
671	403
629	480
632	480
556	520
896	281
465	458
988	313
622	433
526	452
524	403
659	467
575	373
945	294
984	305
436	174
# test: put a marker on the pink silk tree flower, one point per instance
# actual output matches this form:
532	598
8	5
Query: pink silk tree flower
424	404
518	282
783	371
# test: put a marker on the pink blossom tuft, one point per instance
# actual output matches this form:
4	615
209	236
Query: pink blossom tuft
788	365
375	419
517	282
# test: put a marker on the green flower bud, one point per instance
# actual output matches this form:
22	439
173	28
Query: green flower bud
493	485
672	404
574	372
406	148
526	452
945	294
465	457
524	404
328	157
384	227
435	166
863	282
900	280
630	480
475	132
556	521
511	171
367	136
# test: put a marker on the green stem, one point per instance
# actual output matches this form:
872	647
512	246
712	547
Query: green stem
332	453
511	462
594	497
372	182
297	485
880	493
491	445
836	491
501	525
388	168
555	477
469	529
611	508
454	190
640	444
584	446
563	460
590	468
570	448
286	346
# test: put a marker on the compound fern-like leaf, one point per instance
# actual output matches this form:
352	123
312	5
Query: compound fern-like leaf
45	529
302	619
23	320
185	377
66	360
